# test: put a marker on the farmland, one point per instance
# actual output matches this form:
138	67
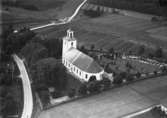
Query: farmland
50	12
47	12
114	103
118	31
123	33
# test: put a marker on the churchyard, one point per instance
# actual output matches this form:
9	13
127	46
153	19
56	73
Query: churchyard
126	35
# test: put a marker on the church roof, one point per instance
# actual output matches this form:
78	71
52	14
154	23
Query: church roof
82	61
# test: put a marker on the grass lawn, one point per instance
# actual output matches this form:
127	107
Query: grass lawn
123	33
149	114
115	103
51	9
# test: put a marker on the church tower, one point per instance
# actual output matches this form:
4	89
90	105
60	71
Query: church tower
69	41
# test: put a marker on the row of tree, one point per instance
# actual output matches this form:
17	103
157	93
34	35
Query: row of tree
157	7
94	86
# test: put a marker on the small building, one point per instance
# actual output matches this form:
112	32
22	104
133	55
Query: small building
78	63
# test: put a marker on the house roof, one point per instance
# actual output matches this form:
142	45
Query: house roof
82	61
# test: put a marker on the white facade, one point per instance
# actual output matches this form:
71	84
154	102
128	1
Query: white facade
80	73
70	42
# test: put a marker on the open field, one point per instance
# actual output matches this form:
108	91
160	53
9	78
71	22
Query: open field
61	11
148	114
123	33
114	103
118	31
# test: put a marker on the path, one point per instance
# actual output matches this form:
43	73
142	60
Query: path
62	21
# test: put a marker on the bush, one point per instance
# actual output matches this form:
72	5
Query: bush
83	89
138	74
154	19
92	13
130	78
71	93
119	78
106	82
44	95
57	94
94	86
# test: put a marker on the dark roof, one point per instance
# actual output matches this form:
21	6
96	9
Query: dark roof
82	61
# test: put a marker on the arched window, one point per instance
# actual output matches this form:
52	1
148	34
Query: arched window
86	76
71	43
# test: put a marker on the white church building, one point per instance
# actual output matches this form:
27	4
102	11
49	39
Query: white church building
78	63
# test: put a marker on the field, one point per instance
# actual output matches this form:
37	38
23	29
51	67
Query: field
123	33
148	115
53	10
115	103
22	17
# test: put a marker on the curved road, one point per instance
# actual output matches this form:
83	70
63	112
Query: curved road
28	99
62	21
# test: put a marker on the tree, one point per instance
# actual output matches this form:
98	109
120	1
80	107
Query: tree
128	65
163	69
83	89
92	47
51	72
71	93
83	49
119	78
138	74
54	47
159	52
59	78
108	69
33	52
16	41
93	86
141	50
9	106
7	31
130	77
111	50
92	13
44	95
106	82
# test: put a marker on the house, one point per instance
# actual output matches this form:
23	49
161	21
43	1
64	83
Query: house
78	63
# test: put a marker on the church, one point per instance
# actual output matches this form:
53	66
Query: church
78	63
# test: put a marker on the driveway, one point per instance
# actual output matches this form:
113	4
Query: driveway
114	103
